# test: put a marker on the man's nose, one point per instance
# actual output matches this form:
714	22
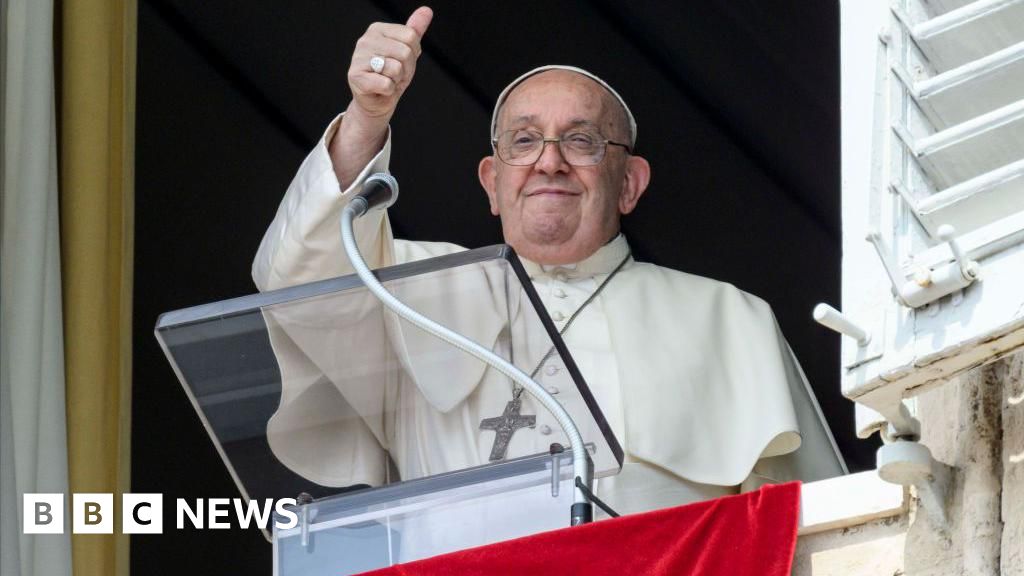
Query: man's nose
551	160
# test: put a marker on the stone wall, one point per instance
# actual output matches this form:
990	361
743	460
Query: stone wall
974	424
1012	550
874	548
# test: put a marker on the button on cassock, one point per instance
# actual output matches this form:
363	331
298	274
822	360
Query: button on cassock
557	316
551	370
559	293
544	429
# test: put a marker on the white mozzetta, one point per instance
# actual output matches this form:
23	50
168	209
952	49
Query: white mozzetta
700	408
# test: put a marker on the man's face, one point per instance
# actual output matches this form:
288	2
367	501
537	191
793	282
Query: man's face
553	212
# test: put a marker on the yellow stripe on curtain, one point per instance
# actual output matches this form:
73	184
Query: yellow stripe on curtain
96	194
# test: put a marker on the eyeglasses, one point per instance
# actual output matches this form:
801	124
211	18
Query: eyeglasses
579	148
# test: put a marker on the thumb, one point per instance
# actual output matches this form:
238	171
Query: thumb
420	20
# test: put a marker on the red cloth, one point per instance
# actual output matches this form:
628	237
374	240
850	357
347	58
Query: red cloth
752	533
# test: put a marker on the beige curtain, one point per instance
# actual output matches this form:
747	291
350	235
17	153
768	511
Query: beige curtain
96	178
33	440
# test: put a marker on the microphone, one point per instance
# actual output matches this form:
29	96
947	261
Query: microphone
379	192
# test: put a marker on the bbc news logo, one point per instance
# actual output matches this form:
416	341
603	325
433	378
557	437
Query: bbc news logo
144	513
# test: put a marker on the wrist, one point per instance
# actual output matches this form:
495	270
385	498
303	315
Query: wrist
357	140
364	125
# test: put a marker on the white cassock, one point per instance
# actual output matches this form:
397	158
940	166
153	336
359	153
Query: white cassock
693	375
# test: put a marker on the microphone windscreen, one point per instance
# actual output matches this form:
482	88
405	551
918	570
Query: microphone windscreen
380	190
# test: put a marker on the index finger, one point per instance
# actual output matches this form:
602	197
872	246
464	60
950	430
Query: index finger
420	19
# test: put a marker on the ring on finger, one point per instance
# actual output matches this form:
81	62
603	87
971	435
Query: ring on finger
377	64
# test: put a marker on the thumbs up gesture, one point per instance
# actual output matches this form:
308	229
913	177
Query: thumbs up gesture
384	62
382	67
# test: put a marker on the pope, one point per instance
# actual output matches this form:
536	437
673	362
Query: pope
693	375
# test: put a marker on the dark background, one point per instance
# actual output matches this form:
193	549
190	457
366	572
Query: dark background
737	103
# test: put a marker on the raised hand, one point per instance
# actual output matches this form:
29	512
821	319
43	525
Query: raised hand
375	93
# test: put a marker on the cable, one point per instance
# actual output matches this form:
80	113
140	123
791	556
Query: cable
593	498
580	461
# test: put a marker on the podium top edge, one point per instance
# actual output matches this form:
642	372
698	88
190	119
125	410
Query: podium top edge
254	302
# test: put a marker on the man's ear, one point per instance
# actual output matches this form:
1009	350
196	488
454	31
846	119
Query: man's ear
488	174
638	175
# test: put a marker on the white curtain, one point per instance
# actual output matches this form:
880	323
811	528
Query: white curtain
33	436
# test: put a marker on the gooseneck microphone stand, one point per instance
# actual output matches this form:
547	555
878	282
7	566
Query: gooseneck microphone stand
381	191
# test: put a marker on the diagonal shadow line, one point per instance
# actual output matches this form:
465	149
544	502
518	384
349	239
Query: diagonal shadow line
449	67
776	63
231	73
658	56
277	117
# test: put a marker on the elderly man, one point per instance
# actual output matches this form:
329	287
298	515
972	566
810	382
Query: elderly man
692	374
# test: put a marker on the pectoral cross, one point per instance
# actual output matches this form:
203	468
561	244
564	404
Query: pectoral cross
505	426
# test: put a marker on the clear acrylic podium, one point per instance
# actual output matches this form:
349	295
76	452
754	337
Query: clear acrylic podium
317	390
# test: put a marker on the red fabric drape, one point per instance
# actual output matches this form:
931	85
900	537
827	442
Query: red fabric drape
752	533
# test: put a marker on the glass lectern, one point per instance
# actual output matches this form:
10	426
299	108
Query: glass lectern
397	445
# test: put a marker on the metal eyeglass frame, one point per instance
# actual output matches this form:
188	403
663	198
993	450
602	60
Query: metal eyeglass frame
544	142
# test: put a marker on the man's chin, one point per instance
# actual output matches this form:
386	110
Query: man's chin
551	247
551	232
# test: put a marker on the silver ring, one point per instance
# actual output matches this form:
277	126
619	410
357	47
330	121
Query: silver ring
377	64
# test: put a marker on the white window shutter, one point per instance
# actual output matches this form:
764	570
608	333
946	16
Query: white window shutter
933	178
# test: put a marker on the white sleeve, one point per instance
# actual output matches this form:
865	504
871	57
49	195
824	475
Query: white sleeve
303	243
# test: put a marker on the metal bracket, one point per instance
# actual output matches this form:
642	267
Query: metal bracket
909	463
903	459
833	319
932	284
556	473
306	501
869	342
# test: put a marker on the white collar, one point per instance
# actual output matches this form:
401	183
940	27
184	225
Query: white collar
603	261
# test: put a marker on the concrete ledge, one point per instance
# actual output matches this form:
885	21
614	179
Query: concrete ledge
847	501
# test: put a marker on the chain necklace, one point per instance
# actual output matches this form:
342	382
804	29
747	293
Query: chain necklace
511	420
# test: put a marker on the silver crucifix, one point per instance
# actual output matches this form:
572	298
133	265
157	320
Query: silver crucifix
505	426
